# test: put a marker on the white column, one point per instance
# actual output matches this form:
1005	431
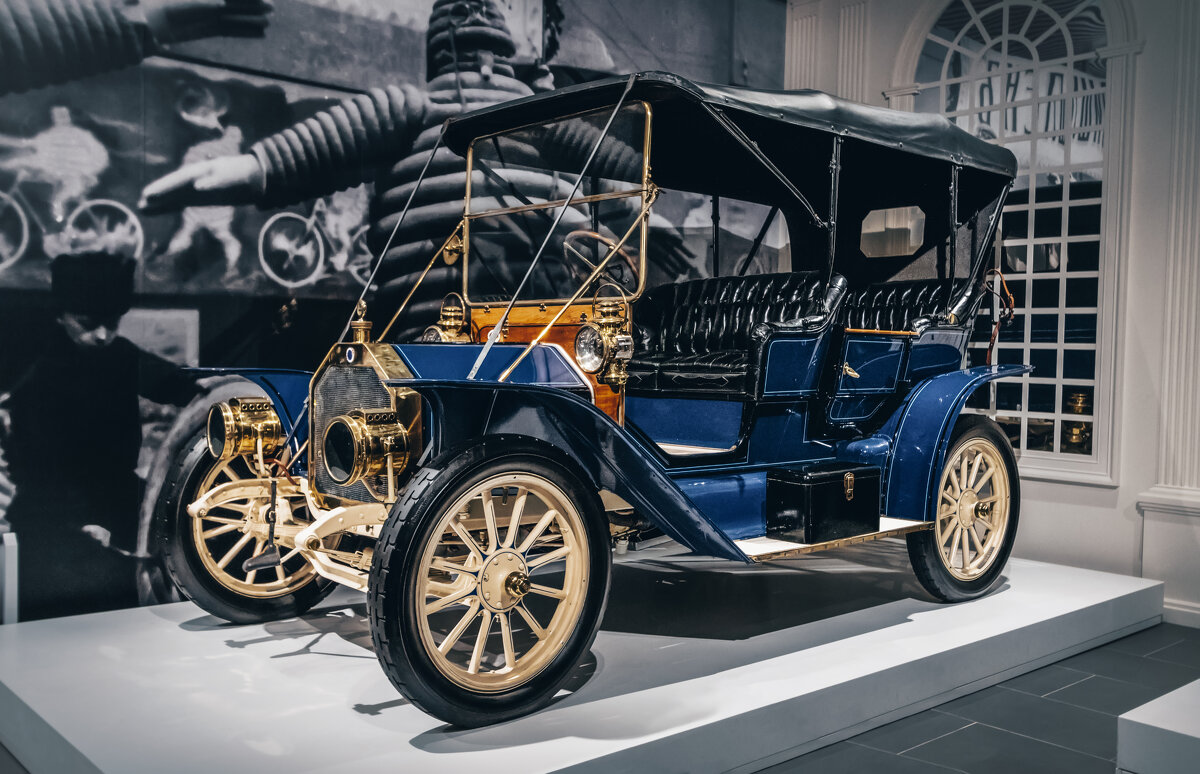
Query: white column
852	51
1171	508
803	30
1179	448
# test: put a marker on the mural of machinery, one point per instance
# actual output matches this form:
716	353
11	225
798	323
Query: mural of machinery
386	136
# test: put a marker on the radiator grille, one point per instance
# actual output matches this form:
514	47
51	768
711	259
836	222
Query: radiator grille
341	389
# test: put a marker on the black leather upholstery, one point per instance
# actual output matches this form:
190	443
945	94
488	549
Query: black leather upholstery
893	306
695	336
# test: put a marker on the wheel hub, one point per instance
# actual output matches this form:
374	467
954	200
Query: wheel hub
503	581
967	504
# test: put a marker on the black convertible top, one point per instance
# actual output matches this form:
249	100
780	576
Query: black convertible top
773	113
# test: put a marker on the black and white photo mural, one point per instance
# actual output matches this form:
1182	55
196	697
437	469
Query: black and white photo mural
240	171
1028	75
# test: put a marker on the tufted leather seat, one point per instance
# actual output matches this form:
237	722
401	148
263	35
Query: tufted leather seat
695	336
893	306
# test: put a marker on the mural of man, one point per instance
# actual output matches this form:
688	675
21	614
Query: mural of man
216	220
77	494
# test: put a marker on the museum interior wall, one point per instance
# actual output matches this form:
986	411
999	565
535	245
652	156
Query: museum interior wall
1128	500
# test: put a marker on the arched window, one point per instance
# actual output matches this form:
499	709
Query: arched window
1026	74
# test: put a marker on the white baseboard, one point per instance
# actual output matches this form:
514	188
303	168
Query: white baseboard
1181	611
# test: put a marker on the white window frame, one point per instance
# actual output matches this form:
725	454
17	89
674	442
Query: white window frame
1120	56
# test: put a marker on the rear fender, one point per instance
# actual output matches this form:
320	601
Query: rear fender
458	414
918	434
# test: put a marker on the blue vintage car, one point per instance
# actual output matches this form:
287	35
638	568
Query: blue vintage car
610	373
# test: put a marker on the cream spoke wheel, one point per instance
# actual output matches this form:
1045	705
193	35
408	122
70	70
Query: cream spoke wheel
231	532
502	581
973	509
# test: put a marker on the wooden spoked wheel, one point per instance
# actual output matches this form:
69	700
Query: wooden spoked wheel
230	532
502	582
973	506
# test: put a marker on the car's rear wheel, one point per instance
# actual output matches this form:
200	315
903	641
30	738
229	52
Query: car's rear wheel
488	584
204	554
976	514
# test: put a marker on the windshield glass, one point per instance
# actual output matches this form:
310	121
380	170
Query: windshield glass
520	178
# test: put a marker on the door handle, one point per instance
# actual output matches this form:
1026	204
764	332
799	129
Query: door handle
848	371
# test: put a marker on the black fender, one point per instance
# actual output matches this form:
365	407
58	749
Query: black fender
456	414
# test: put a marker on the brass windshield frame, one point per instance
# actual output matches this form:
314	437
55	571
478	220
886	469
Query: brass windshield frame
644	191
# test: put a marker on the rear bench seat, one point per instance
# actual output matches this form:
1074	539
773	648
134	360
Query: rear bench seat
695	336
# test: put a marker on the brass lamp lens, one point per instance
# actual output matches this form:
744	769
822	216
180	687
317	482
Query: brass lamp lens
217	436
590	349
340	451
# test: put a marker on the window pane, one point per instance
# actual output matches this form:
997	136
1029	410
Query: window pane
1043	328
1082	292
1076	438
1083	256
1041	397
1045	293
1079	364
1078	400
1008	396
1044	362
1085	220
1040	435
1081	328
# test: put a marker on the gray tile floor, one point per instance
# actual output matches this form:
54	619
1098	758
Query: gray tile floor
1059	719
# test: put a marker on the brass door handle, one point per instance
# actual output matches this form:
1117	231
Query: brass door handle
848	371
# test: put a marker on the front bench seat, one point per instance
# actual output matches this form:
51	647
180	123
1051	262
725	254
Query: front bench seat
695	336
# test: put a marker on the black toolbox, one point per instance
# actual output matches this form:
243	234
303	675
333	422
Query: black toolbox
822	501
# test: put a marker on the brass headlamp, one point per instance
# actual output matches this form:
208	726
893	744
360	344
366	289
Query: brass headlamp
451	326
363	444
603	345
238	426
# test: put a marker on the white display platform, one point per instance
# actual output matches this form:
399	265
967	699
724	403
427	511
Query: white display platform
702	665
1162	736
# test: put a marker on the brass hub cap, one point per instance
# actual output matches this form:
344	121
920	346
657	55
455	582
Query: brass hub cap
502	582
973	507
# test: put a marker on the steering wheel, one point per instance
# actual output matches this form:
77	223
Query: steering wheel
574	236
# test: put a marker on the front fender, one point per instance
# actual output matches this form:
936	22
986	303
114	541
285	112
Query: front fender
286	388
457	413
919	432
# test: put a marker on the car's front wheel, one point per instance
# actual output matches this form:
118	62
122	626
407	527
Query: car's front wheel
488	584
204	554
978	505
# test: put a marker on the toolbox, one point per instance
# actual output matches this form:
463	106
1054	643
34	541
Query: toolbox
822	502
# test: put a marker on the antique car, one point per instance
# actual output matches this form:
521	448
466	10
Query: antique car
598	380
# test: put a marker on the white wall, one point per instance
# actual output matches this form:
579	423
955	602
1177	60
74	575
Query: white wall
1093	526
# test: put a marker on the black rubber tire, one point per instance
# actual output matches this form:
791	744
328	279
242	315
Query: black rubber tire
394	627
923	552
178	550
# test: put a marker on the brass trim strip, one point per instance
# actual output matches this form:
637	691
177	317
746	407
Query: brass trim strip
799	549
881	332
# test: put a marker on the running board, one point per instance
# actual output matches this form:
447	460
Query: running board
765	549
